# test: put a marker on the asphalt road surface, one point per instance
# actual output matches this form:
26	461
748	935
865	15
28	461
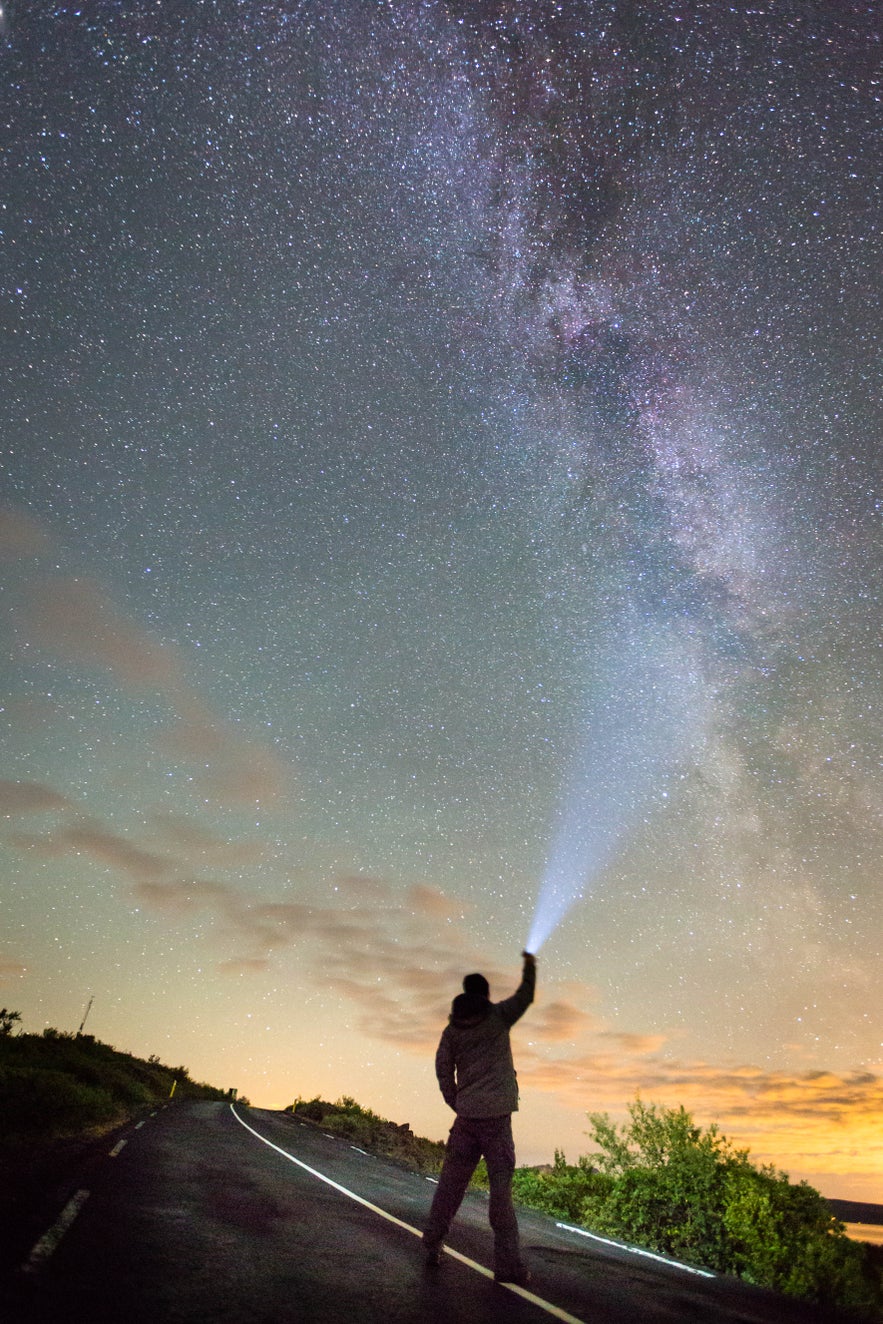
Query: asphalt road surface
240	1216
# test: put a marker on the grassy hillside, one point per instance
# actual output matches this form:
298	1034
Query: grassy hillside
54	1085
364	1128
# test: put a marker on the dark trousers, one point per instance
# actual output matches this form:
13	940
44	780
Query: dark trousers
470	1138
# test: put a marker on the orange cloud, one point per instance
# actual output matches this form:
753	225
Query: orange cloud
363	888
87	838
816	1121
429	901
634	1043
21	535
194	841
111	849
10	969
385	957
559	1022
29	798
236	770
76	619
185	895
244	966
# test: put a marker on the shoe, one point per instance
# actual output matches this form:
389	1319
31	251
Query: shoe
519	1278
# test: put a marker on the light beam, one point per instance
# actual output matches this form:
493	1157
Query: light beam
637	728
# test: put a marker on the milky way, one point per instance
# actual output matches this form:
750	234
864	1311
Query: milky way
424	425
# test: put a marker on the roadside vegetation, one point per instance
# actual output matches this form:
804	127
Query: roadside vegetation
658	1181
54	1085
661	1182
365	1129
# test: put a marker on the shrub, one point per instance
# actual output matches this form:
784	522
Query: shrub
687	1192
48	1103
369	1131
564	1190
783	1236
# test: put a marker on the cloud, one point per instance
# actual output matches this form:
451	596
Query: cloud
432	903
111	849
21	535
27	714
195	842
185	895
364	889
383	956
634	1043
88	838
783	1117
10	969
29	798
244	966
76	619
559	1022
234	769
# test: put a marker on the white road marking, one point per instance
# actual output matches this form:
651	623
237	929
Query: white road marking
120	1145
48	1242
547	1306
138	1125
636	1250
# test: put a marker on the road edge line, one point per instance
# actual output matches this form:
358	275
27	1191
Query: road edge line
555	1311
637	1250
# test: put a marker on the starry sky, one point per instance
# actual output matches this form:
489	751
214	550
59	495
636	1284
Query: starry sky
439	453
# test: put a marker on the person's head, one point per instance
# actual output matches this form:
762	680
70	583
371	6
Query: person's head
476	986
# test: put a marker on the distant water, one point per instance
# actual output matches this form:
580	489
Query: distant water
872	1232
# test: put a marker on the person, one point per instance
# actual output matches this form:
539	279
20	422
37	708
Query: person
477	1079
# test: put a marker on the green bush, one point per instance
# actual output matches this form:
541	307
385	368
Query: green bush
668	1188
563	1191
47	1103
686	1192
783	1236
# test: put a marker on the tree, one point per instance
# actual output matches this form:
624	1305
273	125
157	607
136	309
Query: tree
8	1020
669	1189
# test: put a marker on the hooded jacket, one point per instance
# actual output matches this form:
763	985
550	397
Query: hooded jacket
473	1063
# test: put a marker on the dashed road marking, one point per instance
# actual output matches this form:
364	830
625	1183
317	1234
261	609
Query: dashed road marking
48	1242
120	1145
555	1311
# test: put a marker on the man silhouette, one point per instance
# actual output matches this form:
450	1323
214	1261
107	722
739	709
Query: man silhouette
477	1079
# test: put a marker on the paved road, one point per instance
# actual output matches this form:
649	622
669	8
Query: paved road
204	1214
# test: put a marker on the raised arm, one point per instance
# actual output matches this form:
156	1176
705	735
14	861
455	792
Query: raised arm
513	1008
